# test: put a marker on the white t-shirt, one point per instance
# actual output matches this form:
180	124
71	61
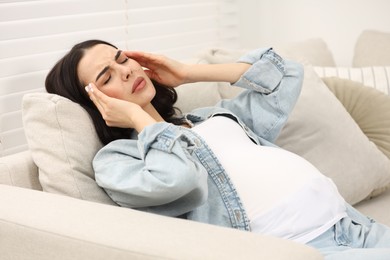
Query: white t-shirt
284	195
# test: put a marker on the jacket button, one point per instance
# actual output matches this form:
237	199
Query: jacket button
237	213
197	142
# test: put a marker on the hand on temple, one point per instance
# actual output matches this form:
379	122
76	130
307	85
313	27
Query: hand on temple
162	69
117	112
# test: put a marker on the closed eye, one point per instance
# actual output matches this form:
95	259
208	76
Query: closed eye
108	79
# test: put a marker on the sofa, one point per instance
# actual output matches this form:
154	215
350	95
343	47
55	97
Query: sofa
51	207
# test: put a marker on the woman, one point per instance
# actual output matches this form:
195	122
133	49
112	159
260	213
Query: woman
216	165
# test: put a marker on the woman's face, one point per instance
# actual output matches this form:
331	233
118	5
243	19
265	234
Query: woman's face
115	75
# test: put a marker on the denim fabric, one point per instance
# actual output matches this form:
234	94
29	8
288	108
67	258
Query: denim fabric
354	237
171	171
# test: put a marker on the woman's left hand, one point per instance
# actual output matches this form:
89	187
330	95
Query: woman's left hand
164	70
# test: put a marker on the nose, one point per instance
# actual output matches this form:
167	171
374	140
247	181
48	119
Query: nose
126	73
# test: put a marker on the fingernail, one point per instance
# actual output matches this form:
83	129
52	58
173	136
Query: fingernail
88	88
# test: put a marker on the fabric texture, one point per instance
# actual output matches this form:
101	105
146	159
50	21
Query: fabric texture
38	225
62	142
377	77
322	131
19	170
355	237
372	49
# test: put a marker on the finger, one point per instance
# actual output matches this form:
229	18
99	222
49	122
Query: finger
138	56
145	59
134	54
96	96
149	73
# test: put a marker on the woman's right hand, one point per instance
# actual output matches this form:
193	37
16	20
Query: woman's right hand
117	112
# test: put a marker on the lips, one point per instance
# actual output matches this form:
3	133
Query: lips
138	84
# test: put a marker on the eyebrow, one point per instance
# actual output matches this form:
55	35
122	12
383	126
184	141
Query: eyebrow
107	67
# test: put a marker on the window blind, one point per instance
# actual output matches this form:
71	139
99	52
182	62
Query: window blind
35	34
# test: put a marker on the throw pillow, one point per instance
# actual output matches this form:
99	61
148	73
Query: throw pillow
372	49
375	77
63	142
322	131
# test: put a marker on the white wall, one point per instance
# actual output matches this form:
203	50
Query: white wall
338	22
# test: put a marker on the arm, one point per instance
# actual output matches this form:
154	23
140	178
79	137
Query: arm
230	72
155	173
173	73
273	87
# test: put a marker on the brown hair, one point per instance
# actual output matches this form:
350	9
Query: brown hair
63	80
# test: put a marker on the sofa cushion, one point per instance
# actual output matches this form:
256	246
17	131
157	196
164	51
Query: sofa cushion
322	131
372	49
63	142
19	170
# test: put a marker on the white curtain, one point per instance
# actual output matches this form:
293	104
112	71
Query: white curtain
35	34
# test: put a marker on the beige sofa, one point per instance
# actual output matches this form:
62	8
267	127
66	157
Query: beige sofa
339	125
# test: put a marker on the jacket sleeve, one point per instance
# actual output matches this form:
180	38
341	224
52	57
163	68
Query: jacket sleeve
273	86
155	173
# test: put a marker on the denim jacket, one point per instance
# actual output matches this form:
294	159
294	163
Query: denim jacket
170	170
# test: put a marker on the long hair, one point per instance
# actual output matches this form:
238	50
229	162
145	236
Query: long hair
63	80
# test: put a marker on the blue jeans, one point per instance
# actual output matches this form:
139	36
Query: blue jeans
354	237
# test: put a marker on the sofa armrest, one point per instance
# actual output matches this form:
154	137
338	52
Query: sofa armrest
19	170
39	225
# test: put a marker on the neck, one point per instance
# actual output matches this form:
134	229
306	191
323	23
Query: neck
153	113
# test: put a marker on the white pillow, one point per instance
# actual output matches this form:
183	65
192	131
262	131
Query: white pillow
63	142
375	77
323	132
